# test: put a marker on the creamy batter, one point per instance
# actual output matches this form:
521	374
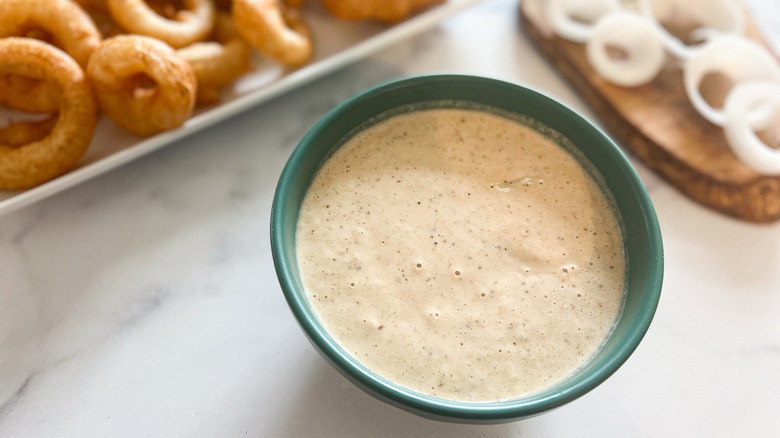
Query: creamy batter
461	254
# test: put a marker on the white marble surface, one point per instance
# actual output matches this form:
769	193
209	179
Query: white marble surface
144	303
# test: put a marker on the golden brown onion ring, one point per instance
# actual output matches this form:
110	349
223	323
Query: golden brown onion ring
100	5
294	3
274	30
29	94
21	133
383	10
142	84
105	23
218	63
192	24
68	24
31	164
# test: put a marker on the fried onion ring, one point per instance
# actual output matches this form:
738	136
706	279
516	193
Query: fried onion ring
294	3
21	133
68	24
192	24
100	5
383	10
30	94
220	62
142	84
274	30
25	166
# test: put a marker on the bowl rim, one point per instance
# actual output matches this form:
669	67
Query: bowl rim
442	408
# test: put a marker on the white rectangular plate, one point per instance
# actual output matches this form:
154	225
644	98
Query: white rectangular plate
337	43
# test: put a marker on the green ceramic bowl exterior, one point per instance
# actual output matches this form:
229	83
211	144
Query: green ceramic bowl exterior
642	238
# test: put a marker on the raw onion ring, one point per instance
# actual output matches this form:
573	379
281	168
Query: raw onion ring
25	166
192	24
274	30
120	71
637	37
718	18
65	21
737	58
220	62
741	101
574	19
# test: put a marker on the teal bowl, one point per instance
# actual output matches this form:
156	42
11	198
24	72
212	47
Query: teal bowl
642	237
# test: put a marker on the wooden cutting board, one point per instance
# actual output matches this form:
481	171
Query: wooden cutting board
657	123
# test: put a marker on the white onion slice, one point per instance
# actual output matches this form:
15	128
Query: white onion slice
637	37
717	17
743	99
571	19
737	58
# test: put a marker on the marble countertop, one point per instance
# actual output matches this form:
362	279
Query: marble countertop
145	303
